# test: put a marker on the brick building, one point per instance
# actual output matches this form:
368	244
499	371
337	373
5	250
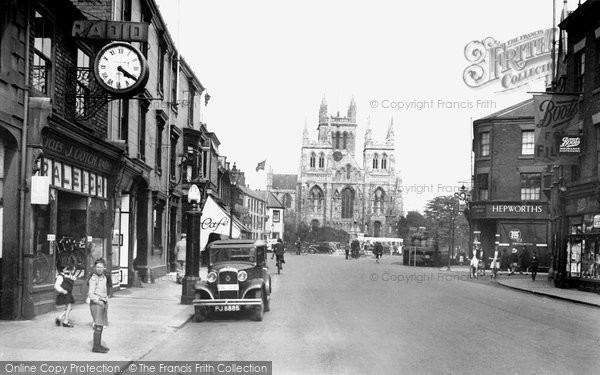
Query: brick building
510	195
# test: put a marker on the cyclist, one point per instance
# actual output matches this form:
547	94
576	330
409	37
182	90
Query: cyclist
278	251
378	250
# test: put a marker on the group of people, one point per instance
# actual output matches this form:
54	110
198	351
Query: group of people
513	263
99	284
354	250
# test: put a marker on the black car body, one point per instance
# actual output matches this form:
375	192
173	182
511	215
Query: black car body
238	278
323	247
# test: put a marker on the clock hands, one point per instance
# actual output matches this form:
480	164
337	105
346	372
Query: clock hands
126	73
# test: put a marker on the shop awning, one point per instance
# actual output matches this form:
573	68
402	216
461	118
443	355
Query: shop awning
215	219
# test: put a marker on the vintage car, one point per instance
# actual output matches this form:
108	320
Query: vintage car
322	247
238	279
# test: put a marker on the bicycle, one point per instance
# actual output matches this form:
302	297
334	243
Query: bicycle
278	263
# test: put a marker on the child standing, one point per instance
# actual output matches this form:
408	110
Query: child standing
98	296
64	287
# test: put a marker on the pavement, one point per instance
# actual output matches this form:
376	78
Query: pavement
541	286
139	318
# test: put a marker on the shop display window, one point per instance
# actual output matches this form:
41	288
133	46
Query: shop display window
42	264
590	259
71	236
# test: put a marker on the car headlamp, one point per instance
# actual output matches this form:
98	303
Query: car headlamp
212	277
242	276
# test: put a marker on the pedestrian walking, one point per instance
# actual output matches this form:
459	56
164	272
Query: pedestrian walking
347	249
514	261
355	247
495	263
378	251
534	265
64	287
98	299
474	264
180	250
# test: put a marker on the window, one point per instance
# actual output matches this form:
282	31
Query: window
347	203
126	10
82	88
174	80
142	130
375	161
287	200
173	155
483	186
160	81
378	202
315	199
345	143
336	138
484	144
190	104
384	161
157	223
124	120
531	186
579	71
159	131
276	216
348	171
322	161
527	142
313	160
43	30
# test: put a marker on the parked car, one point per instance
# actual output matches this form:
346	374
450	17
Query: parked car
322	247
238	279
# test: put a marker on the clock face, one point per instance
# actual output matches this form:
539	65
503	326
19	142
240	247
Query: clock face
337	156
121	69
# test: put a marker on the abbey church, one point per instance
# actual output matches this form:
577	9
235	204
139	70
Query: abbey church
333	189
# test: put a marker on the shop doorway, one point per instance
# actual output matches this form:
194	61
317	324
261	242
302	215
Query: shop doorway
122	247
71	236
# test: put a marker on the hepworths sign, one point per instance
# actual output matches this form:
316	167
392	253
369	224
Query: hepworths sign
511	64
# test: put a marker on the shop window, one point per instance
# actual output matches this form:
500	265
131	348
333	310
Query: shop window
157	219
484	144
43	268
527	142
531	186
43	56
579	71
71	236
590	259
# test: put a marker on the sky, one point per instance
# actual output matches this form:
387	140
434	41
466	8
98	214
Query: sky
267	65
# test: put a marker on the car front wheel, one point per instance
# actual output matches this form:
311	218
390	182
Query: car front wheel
259	311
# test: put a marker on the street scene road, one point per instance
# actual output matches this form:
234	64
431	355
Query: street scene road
335	316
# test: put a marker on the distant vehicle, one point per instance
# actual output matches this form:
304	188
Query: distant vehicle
322	247
238	278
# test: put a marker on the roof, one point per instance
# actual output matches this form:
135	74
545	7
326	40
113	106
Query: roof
284	181
251	193
272	200
519	110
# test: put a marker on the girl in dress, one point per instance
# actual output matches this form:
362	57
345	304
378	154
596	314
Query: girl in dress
64	287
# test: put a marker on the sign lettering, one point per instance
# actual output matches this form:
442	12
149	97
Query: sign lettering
110	30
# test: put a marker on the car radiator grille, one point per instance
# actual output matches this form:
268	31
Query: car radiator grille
228	278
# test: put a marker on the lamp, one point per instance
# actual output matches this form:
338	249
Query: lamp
234	183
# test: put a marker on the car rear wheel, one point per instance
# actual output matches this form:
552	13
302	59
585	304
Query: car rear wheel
200	313
259	311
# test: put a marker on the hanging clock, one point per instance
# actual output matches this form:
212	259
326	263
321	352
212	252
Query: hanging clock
121	69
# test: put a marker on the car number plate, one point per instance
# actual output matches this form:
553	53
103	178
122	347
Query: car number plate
227	308
228	287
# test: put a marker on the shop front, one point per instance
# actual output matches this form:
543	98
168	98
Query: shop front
580	257
71	214
520	228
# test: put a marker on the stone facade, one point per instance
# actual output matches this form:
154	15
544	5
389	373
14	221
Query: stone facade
334	190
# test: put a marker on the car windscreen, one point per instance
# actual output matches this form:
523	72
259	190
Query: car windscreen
233	254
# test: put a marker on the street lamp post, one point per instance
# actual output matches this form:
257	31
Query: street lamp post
192	251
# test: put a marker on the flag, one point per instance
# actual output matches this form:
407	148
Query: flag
261	165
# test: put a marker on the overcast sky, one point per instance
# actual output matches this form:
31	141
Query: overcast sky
267	65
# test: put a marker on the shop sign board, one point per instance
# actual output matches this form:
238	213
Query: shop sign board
570	145
596	223
79	180
72	151
110	30
40	189
215	220
509	210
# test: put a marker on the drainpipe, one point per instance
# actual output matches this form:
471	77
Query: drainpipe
24	171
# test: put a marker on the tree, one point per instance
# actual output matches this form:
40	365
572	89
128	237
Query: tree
443	218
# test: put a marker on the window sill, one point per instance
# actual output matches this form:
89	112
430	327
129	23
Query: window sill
483	158
526	157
